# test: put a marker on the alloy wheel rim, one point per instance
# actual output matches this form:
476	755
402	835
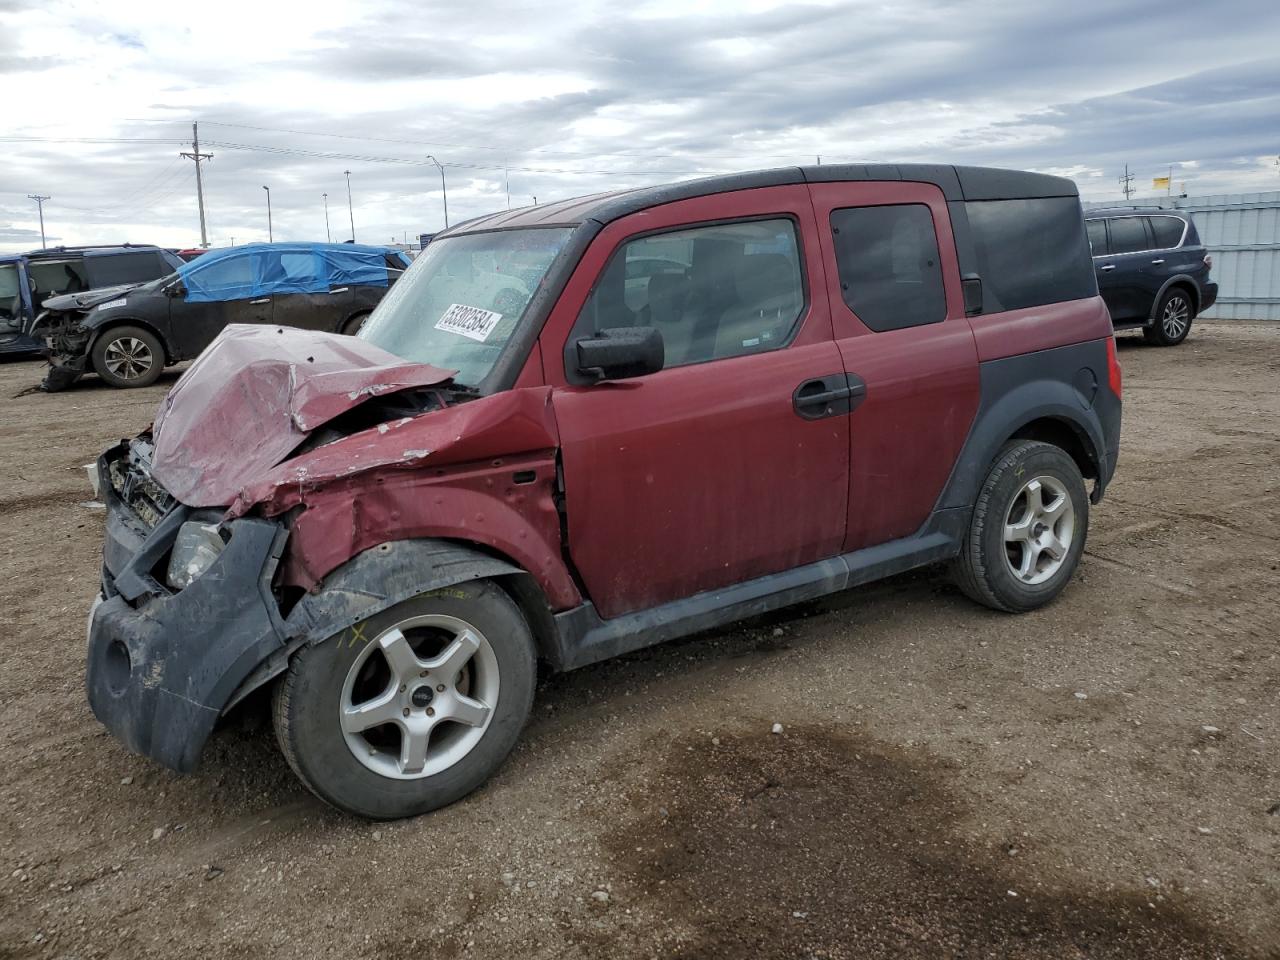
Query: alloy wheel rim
1175	318
419	697
128	358
1039	528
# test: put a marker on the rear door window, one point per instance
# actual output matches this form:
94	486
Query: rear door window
887	257
1129	235
1166	232
1097	230
57	276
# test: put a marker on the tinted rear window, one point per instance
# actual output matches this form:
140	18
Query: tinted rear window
887	258
116	268
1030	252
1167	232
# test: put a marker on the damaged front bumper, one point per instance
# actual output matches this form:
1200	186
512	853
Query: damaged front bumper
163	664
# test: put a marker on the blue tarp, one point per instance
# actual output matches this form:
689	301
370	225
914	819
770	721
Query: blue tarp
263	269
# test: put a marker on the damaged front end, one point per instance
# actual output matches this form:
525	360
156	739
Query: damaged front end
223	553
186	611
66	343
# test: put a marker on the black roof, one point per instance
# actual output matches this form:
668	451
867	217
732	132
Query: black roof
957	183
97	248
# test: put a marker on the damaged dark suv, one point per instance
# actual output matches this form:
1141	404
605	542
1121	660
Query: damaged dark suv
575	430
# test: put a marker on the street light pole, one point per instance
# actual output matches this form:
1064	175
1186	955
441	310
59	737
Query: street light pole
40	204
444	193
327	236
271	237
350	209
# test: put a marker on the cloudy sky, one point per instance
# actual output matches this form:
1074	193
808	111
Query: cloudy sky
557	100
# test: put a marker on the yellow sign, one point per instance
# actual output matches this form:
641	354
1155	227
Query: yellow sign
1160	183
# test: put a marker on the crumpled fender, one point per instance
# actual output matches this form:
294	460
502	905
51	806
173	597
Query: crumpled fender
482	471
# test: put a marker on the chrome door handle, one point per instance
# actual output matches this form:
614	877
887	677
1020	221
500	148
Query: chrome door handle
256	302
1109	266
1157	261
339	290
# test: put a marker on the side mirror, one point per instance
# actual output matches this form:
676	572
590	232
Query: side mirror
621	352
178	289
971	286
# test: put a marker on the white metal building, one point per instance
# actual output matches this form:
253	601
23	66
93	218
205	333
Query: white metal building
1242	232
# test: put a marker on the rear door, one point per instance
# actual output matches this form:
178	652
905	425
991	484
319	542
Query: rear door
721	467
898	316
1123	275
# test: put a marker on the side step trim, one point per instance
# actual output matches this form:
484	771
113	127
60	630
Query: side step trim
583	638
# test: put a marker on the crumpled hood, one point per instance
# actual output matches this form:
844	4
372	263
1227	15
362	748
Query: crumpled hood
255	394
88	298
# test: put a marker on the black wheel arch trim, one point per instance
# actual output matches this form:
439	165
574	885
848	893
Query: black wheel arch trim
1178	279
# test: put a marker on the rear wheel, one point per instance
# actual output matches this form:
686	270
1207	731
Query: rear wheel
128	357
1173	319
1028	529
413	708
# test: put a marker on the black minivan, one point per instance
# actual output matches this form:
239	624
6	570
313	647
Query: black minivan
1153	271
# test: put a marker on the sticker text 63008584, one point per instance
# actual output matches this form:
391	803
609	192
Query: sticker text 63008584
470	322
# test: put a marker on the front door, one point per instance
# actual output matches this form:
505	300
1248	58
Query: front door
218	293
728	464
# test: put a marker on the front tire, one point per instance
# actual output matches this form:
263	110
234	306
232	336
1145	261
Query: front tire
1173	319
128	357
1028	529
412	709
353	325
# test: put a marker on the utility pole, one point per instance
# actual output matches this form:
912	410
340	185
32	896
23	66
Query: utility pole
443	192
350	209
327	236
506	180
1126	183
40	205
197	156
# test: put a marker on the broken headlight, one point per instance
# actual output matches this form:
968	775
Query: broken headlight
198	544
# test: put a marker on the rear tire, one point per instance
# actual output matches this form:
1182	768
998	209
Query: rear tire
128	357
1028	529
405	712
1173	319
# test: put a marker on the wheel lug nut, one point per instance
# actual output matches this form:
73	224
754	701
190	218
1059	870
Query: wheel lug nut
423	673
406	711
403	688
431	711
440	687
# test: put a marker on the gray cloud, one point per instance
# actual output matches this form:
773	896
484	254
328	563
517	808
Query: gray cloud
1086	87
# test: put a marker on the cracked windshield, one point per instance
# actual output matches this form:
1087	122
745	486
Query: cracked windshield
458	305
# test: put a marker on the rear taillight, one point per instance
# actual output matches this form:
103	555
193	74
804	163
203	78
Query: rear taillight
1208	261
1113	367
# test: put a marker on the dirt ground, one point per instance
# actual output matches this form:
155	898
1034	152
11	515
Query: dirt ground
1097	779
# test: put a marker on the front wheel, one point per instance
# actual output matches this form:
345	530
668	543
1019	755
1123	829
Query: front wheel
1028	529
413	708
128	357
1173	319
352	326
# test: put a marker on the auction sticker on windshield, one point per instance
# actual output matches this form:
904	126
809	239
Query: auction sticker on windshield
471	322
